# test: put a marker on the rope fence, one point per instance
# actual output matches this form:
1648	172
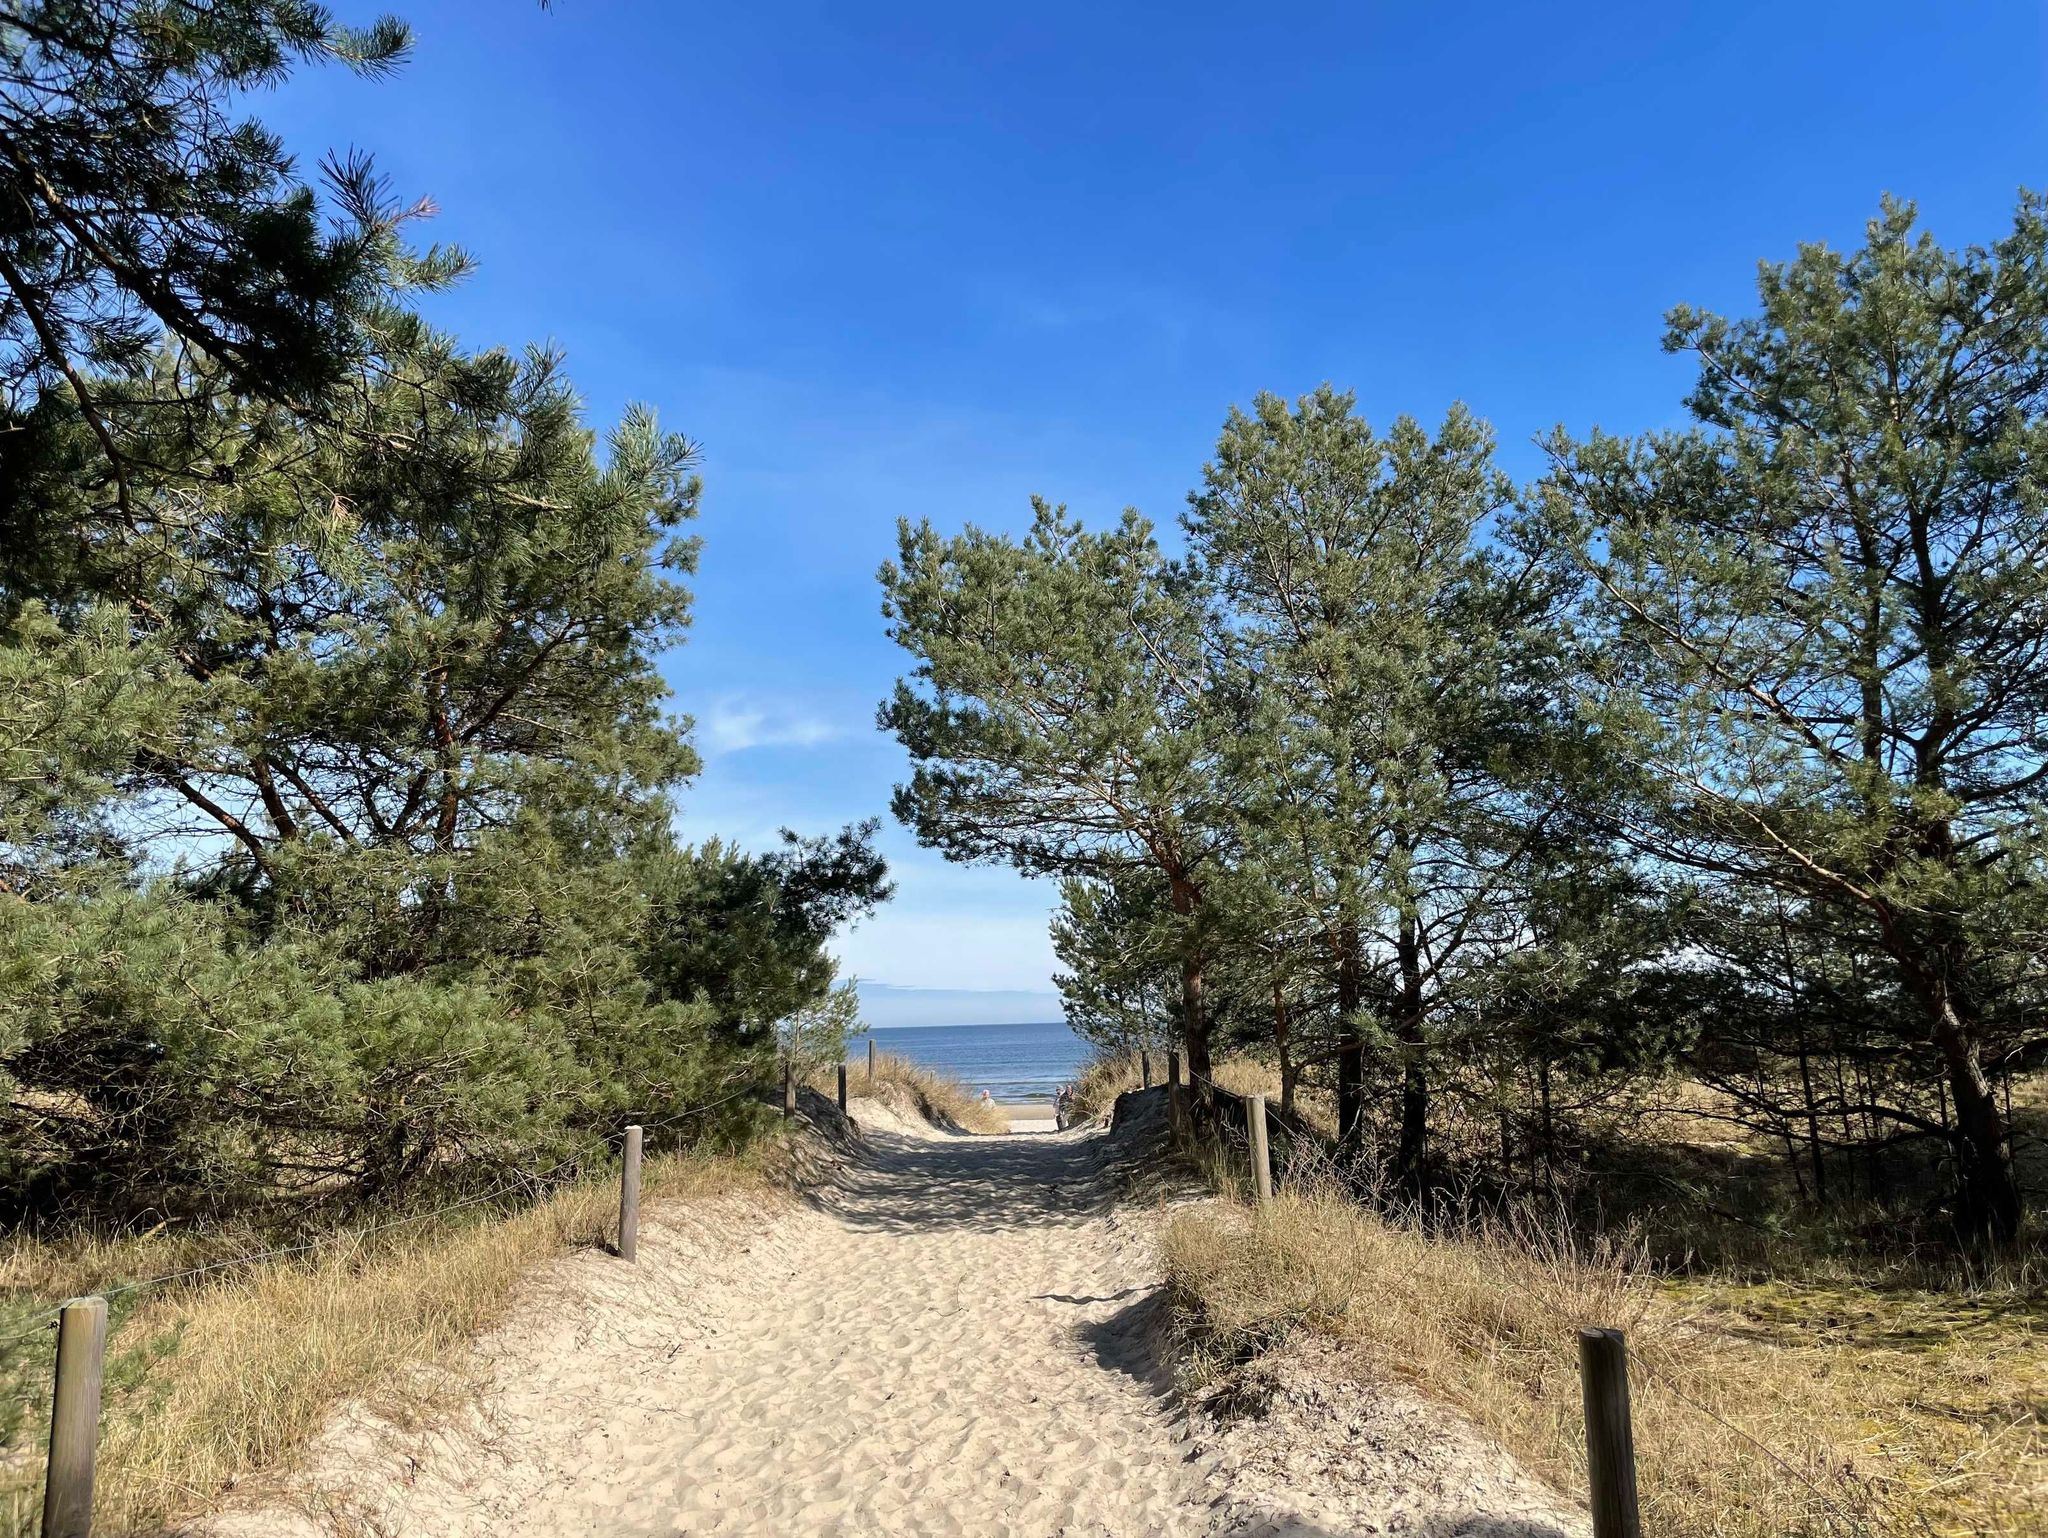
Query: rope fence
81	1322
1242	1125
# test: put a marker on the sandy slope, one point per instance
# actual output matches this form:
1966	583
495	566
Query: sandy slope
957	1339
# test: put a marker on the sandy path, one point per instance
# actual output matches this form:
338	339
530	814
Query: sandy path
963	1347
958	1336
955	1338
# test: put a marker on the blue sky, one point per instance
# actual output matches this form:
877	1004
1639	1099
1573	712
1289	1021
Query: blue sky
923	260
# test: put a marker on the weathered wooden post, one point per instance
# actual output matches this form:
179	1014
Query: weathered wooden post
629	1197
1262	1158
871	1063
842	1089
75	1418
1173	1092
1145	1068
1610	1442
788	1090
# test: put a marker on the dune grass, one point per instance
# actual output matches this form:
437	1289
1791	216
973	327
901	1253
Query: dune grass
1107	1075
1823	1401
941	1100
214	1380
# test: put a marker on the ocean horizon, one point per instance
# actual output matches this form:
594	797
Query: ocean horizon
1017	1063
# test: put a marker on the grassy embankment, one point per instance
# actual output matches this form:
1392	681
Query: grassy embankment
911	1089
222	1376
228	1374
1792	1383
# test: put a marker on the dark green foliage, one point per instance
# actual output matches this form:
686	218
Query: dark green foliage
132	202
1721	749
335	772
744	934
135	207
1826	613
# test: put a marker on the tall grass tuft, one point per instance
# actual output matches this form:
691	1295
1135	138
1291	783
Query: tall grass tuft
1735	1437
212	1381
937	1098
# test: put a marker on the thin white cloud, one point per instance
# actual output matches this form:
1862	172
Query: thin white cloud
735	724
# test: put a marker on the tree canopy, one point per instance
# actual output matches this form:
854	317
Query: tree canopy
337	777
1720	748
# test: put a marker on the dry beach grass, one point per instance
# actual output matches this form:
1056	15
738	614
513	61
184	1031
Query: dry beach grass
1820	1400
935	1097
233	1373
1008	1381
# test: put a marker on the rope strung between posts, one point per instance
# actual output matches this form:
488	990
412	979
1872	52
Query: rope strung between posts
1291	1125
48	1316
1834	1511
1236	1137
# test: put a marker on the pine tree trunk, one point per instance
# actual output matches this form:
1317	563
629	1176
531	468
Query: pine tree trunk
1848	1123
1819	1158
1280	1045
1792	1157
1988	1193
1989	1199
1408	1032
1194	1024
1350	1049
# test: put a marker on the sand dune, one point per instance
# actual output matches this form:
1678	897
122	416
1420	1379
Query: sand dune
960	1337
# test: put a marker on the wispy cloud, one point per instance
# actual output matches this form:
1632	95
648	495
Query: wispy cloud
735	724
1139	315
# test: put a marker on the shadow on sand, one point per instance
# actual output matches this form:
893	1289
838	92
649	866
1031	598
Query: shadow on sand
912	1185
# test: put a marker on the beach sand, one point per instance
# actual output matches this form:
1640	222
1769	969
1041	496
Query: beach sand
960	1335
1029	1116
957	1339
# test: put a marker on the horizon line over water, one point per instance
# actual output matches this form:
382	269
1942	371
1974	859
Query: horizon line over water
1020	1063
961	1025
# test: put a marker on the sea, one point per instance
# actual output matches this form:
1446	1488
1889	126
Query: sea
1016	1064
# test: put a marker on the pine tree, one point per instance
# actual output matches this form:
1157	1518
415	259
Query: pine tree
1827	610
1118	943
336	771
1395	773
136	207
1056	714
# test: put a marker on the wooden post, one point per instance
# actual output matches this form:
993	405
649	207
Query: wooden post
871	1062
1610	1443
629	1198
1262	1157
75	1419
1145	1068
842	1089
1173	1091
788	1090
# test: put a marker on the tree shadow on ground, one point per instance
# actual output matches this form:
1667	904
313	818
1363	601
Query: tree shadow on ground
913	1185
1456	1525
1132	1341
